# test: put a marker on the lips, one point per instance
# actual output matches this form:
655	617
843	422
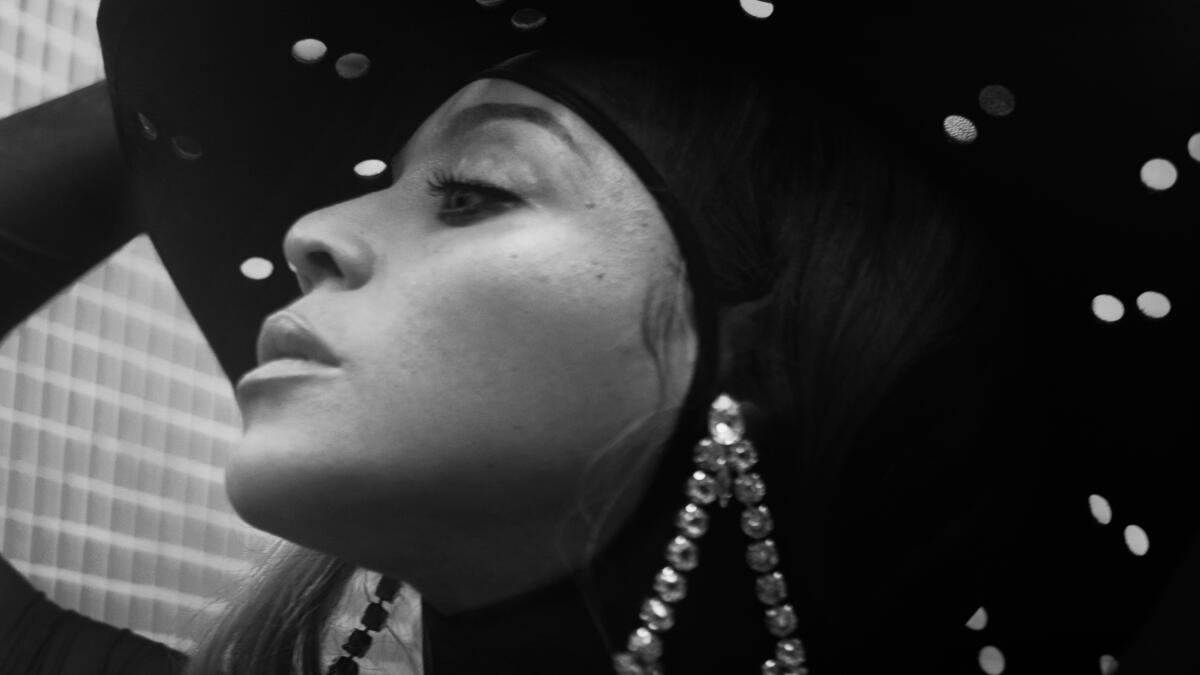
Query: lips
286	335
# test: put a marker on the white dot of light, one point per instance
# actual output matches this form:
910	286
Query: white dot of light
1154	304
257	268
148	129
991	660
352	66
1194	146
757	8
1108	664
186	147
370	167
1107	308
1159	174
1137	540
528	19
978	620
960	129
308	51
996	100
1101	510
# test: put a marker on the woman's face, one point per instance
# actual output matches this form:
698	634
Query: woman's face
490	344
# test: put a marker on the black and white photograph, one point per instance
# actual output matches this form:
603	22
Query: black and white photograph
599	337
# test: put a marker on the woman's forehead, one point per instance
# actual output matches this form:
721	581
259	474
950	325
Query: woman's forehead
497	98
501	90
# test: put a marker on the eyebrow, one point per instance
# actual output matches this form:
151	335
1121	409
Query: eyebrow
469	118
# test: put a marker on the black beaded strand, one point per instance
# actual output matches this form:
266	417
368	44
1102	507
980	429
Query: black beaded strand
373	618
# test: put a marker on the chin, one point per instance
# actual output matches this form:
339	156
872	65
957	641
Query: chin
273	490
253	488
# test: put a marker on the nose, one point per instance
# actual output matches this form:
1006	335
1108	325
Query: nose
322	247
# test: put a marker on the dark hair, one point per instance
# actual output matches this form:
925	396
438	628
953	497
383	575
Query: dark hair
878	327
881	315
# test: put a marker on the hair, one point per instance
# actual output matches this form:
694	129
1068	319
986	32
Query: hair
858	263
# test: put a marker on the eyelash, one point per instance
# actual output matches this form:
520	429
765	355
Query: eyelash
443	183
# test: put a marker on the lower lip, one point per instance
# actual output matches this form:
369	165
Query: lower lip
286	368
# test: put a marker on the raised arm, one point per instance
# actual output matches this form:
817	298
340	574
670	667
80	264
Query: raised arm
64	198
64	207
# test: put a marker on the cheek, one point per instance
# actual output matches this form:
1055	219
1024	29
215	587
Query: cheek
482	383
504	369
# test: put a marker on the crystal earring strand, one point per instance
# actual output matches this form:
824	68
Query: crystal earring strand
712	482
372	620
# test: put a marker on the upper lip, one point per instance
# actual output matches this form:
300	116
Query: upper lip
285	334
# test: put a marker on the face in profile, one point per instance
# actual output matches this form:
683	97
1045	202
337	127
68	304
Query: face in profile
487	314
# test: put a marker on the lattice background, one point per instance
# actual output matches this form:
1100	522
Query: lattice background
115	418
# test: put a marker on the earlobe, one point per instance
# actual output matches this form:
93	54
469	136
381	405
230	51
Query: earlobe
741	327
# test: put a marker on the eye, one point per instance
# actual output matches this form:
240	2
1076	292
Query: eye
464	196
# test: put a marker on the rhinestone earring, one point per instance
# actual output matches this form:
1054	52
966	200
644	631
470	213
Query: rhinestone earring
711	482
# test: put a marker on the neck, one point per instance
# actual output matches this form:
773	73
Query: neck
553	630
546	630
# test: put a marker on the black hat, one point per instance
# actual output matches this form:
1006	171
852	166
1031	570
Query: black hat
232	120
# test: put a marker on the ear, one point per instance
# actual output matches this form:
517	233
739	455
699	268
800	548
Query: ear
741	326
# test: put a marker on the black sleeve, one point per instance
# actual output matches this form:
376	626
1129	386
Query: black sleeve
37	637
64	198
64	207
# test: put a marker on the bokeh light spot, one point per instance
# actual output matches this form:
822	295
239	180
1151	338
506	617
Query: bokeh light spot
309	50
978	620
757	8
1137	540
1101	510
996	100
960	129
528	19
1159	174
991	660
370	167
186	147
1154	304
352	66
1107	308
257	268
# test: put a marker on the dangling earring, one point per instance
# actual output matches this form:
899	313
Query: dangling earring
373	619
711	482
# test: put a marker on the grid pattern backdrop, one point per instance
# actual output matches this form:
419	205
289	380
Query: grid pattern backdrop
116	420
